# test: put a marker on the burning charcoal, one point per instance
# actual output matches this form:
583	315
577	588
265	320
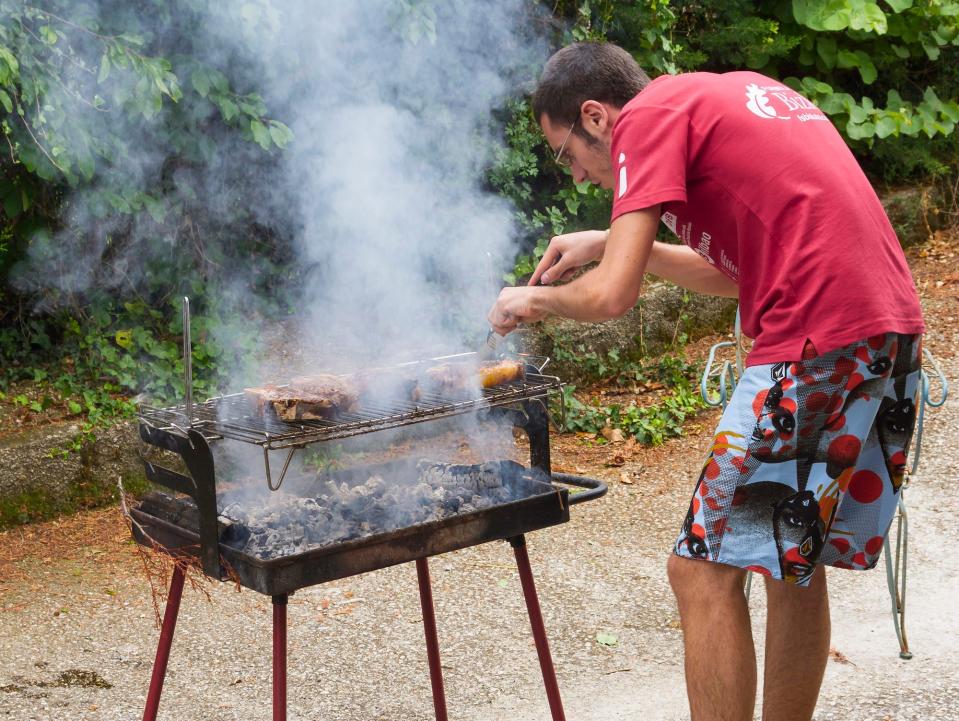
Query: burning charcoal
286	524
478	501
237	535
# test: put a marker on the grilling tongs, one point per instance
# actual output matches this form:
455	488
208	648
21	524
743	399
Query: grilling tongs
489	349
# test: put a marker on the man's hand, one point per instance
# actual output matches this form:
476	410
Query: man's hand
515	306
567	253
607	291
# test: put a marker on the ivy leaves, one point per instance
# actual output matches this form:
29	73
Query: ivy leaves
863	121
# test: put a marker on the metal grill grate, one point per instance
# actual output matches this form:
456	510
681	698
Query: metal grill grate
229	416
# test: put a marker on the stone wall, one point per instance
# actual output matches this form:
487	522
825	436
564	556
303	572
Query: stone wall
41	479
663	313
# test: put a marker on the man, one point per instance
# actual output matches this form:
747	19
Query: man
809	455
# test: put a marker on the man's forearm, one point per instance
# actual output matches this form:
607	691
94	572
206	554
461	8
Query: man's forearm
582	300
611	288
685	267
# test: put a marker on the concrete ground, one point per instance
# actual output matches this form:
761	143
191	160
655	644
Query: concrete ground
356	646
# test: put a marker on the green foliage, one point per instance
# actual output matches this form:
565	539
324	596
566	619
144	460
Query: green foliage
650	424
47	74
97	369
110	114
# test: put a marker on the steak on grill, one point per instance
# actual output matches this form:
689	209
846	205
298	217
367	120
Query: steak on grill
315	397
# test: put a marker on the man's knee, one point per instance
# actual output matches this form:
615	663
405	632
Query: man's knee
703	581
781	593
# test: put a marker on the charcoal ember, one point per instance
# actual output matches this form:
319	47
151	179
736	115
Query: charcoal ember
286	524
481	477
478	501
359	499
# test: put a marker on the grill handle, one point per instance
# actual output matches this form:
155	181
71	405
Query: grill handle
597	489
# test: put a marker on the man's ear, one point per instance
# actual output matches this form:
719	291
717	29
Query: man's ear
594	117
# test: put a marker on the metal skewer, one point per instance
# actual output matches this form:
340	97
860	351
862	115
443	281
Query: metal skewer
187	360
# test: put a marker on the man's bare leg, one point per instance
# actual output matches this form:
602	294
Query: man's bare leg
797	648
718	639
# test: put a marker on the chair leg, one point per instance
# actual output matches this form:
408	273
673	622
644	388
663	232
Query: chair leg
279	657
896	577
163	647
432	640
539	629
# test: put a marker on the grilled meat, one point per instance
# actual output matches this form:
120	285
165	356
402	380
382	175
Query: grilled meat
315	397
325	396
465	379
499	372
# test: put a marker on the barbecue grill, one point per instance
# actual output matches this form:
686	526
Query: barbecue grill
190	526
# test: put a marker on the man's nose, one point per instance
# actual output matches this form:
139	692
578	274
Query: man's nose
578	173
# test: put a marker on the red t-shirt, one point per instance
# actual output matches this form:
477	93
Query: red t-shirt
756	179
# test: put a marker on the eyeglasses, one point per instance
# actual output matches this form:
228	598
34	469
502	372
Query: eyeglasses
562	158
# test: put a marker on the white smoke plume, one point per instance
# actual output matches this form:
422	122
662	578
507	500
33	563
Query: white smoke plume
385	175
381	194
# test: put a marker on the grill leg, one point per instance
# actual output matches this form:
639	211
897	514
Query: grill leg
539	630
163	647
279	657
432	641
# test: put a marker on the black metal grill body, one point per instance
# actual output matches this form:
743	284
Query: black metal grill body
521	401
545	506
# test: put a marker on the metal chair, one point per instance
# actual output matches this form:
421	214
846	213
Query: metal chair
724	376
896	564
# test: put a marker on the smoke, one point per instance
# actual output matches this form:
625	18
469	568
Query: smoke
397	245
393	134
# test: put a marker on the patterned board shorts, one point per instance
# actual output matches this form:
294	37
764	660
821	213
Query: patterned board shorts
807	461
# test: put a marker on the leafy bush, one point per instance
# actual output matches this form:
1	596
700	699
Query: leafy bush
111	114
650	424
670	378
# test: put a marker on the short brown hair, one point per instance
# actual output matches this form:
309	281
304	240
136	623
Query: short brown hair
586	71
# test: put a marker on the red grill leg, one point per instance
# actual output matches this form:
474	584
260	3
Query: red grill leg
279	657
163	647
432	642
539	630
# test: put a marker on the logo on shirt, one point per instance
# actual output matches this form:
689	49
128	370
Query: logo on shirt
728	264
670	220
759	101
623	183
703	248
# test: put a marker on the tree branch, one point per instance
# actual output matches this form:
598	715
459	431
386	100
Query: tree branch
40	145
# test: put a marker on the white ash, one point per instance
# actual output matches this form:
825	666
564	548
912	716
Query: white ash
288	524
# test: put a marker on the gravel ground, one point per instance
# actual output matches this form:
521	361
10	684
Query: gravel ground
77	636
